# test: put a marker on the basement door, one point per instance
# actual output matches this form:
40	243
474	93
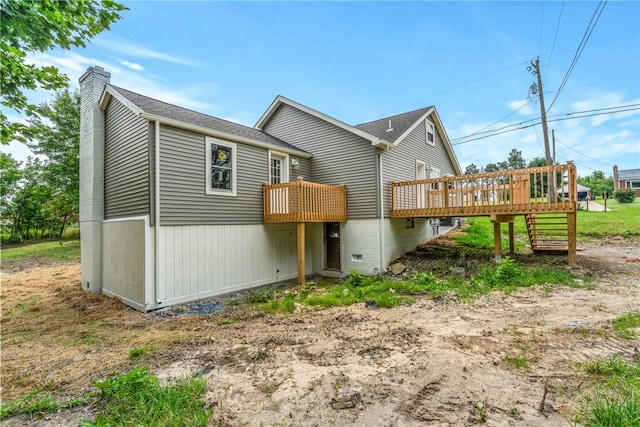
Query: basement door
286	262
332	245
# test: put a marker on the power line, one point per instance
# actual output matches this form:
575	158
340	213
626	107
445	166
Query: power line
581	46
558	118
582	154
555	36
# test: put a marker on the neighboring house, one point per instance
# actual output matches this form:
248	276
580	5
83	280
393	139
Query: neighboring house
177	206
584	193
626	179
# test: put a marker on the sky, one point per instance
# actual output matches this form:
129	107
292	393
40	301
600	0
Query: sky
362	61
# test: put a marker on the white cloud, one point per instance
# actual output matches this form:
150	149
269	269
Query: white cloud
522	107
126	47
132	65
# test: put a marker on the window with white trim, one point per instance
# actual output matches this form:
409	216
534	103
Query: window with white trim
221	166
434	173
632	184
430	135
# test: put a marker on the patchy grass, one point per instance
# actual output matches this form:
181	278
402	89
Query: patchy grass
624	325
22	257
38	402
382	291
614	398
137	399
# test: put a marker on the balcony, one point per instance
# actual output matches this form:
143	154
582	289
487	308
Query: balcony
511	192
301	201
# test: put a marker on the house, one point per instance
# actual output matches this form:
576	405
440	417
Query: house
626	179
584	193
177	206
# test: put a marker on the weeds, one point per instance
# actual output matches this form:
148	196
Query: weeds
136	398
624	325
615	399
136	353
31	404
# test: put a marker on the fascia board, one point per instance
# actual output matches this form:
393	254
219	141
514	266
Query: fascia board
447	143
223	135
413	126
282	100
109	92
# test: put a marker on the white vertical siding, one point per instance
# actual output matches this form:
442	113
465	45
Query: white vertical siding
198	261
125	249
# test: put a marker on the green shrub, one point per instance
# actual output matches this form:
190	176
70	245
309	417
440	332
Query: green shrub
625	196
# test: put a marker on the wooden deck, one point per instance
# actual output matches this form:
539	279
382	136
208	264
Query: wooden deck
302	201
500	195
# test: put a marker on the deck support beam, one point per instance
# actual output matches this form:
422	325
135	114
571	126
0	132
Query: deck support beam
571	238
301	254
497	237
497	240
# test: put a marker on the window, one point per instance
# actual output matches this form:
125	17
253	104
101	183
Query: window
632	184
430	133
434	173
221	167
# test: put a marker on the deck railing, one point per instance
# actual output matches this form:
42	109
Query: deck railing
302	201
516	191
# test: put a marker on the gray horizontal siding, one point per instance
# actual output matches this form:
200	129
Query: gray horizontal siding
126	163
339	157
399	164
183	198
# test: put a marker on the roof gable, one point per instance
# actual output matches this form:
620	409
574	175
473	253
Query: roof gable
399	126
395	127
153	109
280	100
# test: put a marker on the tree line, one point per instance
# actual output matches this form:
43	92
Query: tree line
39	198
598	182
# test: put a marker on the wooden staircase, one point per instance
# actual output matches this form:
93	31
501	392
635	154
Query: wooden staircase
548	232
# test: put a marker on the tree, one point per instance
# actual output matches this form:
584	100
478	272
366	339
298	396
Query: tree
10	176
537	162
515	160
598	183
471	169
55	133
37	26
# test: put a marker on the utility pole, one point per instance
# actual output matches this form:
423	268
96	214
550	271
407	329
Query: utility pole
536	70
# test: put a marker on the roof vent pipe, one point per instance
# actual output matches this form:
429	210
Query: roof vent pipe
390	128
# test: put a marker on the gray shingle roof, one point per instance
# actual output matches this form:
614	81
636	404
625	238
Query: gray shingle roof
169	111
628	174
399	124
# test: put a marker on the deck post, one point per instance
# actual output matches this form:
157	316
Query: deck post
571	238
497	240
300	239
511	239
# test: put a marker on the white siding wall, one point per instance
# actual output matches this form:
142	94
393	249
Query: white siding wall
399	239
126	249
360	237
199	261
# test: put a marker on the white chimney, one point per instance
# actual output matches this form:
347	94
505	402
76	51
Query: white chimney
92	84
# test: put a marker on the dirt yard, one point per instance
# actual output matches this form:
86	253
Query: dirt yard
429	363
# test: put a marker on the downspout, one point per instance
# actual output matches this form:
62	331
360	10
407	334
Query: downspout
383	269
157	212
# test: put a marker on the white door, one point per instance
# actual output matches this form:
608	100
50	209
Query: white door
278	174
286	262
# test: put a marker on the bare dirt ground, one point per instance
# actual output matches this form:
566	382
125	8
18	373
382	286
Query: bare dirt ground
429	363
